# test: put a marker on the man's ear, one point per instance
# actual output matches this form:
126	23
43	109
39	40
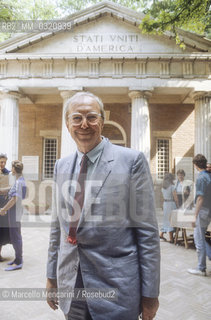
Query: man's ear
102	124
67	125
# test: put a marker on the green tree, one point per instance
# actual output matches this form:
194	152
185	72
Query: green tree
172	15
161	15
71	6
51	9
27	10
6	11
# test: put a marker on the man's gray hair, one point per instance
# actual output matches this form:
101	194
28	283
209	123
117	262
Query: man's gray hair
83	94
3	155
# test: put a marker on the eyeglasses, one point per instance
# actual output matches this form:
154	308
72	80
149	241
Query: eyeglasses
76	119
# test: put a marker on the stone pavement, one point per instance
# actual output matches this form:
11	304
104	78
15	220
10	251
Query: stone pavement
183	296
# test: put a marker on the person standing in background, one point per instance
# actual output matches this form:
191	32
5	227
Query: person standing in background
13	208
169	196
4	188
182	188
202	212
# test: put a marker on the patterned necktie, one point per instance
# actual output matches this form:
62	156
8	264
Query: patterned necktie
78	200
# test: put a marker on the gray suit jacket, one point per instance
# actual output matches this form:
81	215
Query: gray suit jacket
118	240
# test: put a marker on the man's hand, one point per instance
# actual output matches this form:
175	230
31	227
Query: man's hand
2	212
149	307
52	298
193	224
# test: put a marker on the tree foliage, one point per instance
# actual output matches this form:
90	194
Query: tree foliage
161	15
51	9
170	15
6	11
70	6
27	10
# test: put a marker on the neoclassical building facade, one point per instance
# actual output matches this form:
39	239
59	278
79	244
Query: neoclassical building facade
157	96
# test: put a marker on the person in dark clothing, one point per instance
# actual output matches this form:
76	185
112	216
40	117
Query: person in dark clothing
4	188
14	210
202	212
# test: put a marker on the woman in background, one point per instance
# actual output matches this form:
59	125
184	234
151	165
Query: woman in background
169	196
14	210
182	188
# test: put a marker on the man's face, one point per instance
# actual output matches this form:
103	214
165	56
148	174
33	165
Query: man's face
86	135
180	177
209	167
2	163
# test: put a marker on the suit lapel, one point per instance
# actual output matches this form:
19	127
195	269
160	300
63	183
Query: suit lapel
69	168
66	183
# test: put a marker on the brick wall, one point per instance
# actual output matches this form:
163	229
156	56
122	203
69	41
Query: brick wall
34	120
177	123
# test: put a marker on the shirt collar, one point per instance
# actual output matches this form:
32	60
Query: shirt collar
94	153
202	171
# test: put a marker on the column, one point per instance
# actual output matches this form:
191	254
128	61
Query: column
203	123
68	145
140	122
9	125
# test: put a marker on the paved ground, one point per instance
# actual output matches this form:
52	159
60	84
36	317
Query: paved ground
183	296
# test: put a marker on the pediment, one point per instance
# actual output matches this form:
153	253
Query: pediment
105	36
104	29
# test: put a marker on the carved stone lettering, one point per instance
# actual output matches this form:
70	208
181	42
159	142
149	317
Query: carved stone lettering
106	43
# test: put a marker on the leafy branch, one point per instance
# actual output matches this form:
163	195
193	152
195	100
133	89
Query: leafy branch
169	15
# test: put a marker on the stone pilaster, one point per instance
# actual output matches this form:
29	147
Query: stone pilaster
9	125
140	122
203	123
68	145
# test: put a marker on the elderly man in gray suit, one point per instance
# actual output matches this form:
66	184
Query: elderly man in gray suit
104	255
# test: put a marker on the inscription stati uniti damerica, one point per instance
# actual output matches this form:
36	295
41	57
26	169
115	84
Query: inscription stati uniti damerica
106	43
